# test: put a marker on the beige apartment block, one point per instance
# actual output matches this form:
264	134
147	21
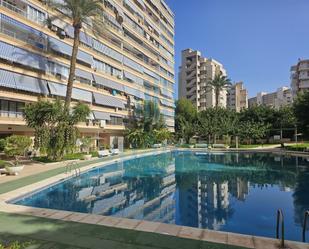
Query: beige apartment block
194	74
282	97
237	97
300	77
131	61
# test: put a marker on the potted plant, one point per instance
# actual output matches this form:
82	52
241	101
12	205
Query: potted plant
16	146
85	146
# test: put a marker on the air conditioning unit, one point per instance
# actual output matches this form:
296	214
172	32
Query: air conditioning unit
102	123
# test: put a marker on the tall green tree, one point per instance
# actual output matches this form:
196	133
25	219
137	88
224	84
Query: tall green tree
218	84
55	129
301	107
185	119
81	13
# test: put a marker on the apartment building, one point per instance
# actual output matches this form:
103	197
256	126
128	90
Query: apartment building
282	97
300	77
194	74
132	61
237	97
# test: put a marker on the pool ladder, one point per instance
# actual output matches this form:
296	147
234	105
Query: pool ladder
72	166
280	219
305	225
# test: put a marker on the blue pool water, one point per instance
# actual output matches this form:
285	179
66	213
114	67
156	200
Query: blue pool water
236	192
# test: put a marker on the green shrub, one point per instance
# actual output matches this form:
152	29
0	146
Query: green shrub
2	144
17	145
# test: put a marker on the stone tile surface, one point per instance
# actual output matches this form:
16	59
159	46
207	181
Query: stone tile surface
59	215
263	243
214	236
75	217
147	226
240	240
109	221
92	219
128	223
190	233
168	229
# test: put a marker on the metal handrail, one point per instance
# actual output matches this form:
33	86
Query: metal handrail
280	217
72	166
305	225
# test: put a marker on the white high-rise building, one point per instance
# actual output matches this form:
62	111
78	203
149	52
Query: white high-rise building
194	74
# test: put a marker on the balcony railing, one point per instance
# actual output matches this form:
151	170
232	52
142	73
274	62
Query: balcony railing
11	114
21	12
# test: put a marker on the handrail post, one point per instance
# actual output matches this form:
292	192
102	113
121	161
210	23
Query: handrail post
280	217
305	225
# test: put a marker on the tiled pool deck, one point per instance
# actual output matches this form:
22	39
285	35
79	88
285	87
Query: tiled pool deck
169	231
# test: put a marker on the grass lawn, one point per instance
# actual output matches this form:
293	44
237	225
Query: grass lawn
55	234
298	147
250	146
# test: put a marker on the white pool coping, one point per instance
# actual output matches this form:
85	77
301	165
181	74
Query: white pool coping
138	225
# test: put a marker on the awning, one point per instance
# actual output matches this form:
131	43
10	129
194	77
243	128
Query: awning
30	59
7	79
66	49
132	64
59	23
6	51
101	115
83	74
30	84
167	103
166	93
107	83
61	89
59	46
100	47
134	92
108	101
111	19
82	95
57	89
133	7
151	74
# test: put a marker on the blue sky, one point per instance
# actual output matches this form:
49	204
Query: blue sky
256	40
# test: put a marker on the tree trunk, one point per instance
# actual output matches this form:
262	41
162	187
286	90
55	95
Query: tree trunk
217	93
72	67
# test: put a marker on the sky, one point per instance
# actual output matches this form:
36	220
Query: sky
257	41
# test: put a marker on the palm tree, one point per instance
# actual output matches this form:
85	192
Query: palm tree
81	13
219	84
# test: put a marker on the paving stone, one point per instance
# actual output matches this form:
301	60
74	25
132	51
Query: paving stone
190	233
59	215
92	219
240	240
109	221
128	223
265	243
147	226
168	229
214	236
75	217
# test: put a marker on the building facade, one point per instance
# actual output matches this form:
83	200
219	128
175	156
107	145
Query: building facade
131	61
282	97
237	97
194	74
300	77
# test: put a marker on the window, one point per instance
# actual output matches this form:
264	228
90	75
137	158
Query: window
11	109
104	67
115	121
36	15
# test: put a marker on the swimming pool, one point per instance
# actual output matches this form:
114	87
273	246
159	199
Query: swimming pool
235	192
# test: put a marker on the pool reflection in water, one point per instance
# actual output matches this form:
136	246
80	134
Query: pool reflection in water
235	192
